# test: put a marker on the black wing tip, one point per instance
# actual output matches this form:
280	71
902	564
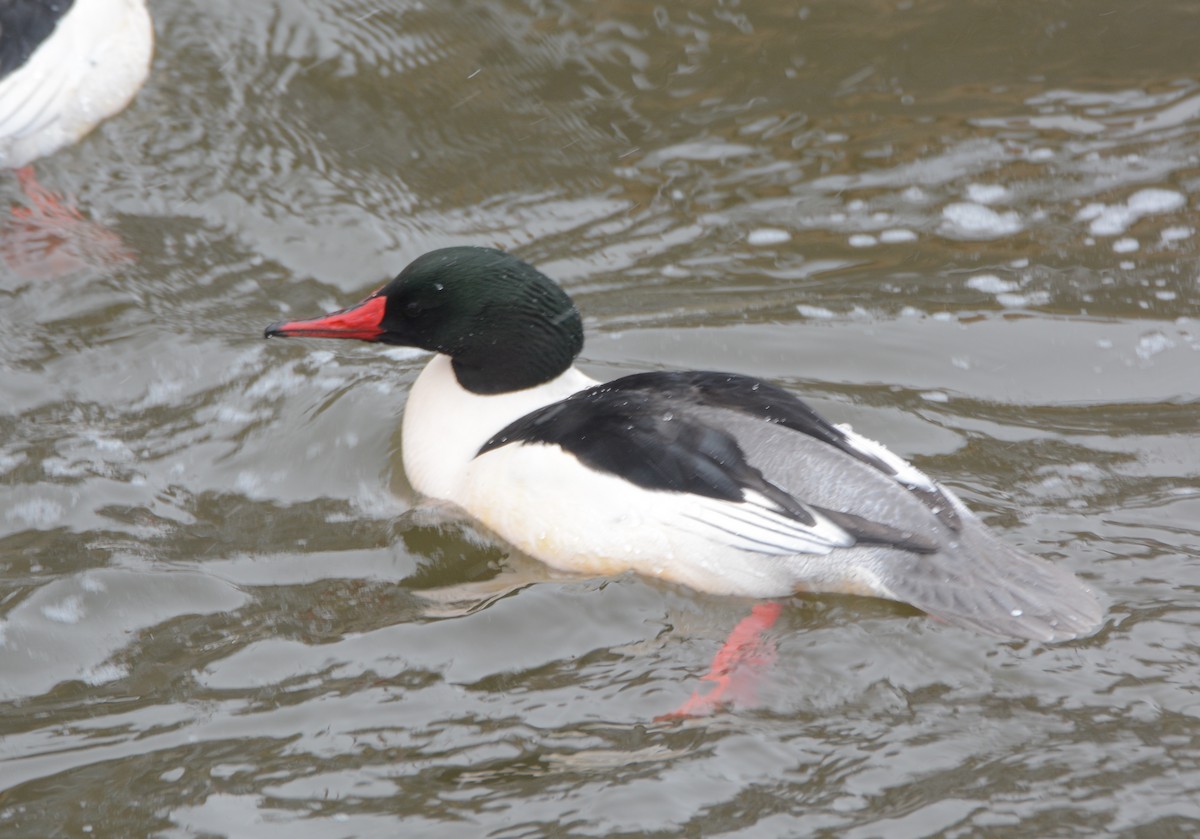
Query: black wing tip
867	532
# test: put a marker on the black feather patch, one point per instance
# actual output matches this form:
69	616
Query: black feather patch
635	433
24	24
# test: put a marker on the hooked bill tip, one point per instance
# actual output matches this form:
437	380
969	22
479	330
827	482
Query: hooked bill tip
362	321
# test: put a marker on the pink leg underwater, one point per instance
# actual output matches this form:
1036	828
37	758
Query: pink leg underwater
737	667
45	203
50	238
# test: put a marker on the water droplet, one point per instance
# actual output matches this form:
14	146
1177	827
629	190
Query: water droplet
1016	613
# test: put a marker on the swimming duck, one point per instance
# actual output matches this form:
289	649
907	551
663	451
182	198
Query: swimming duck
66	65
722	482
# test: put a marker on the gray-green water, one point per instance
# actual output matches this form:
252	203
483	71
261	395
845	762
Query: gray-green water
969	229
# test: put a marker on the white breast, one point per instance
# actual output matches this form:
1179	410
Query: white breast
88	69
445	425
572	517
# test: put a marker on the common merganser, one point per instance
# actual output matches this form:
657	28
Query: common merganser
719	481
66	65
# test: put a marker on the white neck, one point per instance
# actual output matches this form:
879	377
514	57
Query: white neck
445	424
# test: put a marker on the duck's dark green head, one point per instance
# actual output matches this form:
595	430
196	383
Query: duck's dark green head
506	325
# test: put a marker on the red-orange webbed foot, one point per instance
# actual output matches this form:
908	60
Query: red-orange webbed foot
737	667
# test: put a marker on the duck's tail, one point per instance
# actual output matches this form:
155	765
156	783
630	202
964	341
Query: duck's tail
987	585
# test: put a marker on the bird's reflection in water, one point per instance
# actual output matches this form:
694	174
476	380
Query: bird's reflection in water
48	237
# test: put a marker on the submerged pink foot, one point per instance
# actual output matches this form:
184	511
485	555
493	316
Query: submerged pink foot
50	238
737	667
45	203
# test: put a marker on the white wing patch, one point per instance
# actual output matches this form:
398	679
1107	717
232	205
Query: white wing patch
906	473
758	525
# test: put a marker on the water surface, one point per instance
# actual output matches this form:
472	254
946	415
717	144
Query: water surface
967	229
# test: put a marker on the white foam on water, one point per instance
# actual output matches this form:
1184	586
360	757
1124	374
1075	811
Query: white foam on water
816	312
1153	201
69	610
991	284
401	353
237	416
1115	219
768	236
1023	300
92	583
1151	344
102	674
987	193
978	221
36	512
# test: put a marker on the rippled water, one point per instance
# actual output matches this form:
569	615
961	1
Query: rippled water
967	228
